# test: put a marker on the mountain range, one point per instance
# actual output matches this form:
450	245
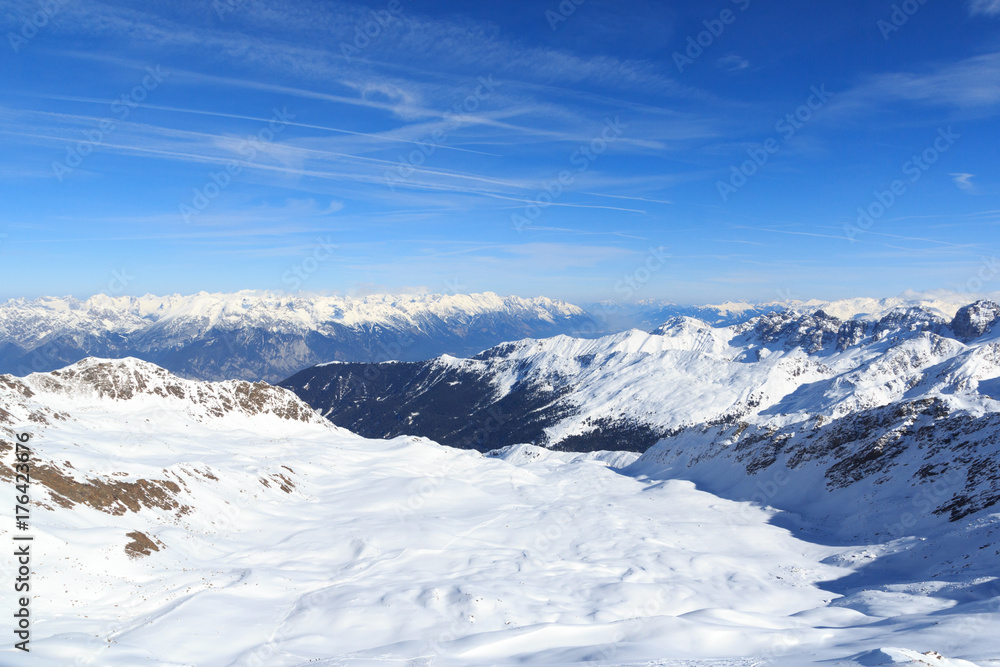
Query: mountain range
266	336
269	336
629	390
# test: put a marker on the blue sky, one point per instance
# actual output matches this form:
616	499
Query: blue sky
691	151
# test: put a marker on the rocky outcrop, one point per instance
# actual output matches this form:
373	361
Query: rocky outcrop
975	320
128	379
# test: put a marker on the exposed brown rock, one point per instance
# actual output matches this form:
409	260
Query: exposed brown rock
111	496
141	545
6	472
286	484
118	380
10	382
283	482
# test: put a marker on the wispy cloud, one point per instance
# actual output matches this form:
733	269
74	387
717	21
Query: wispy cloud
411	40
384	136
986	7
732	63
964	181
973	83
292	156
378	150
646	199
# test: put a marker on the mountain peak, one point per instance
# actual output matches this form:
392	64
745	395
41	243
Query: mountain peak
139	381
975	320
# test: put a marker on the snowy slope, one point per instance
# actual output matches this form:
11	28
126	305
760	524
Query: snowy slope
260	335
186	523
882	432
628	390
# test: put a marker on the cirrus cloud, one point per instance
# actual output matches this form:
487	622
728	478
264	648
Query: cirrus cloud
986	7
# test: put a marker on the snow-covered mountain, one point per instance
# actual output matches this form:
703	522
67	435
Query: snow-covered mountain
187	523
629	390
648	314
258	335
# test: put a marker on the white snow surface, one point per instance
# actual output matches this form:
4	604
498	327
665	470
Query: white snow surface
525	453
405	552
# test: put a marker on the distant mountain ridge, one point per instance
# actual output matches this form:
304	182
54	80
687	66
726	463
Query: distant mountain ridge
269	336
260	335
650	313
629	390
